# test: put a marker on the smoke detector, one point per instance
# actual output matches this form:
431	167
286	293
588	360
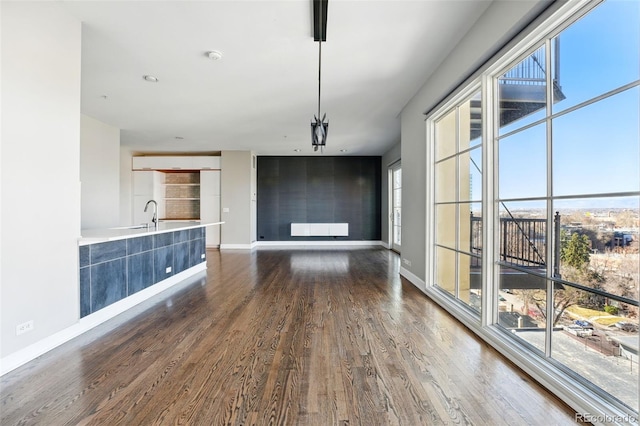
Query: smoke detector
214	55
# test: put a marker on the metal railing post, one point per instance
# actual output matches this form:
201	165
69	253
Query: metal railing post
556	245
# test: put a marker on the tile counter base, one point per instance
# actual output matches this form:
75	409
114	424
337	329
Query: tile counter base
113	270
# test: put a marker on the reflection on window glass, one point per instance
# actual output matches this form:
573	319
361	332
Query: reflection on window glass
465	227
471	175
596	341
596	149
522	164
446	270
523	92
446	224
446	131
474	248
469	281
471	122
598	53
458	195
475	232
445	180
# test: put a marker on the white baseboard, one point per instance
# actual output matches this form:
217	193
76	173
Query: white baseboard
31	352
236	246
318	243
385	244
413	279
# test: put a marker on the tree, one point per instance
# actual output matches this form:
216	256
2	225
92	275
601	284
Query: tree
627	218
562	299
575	257
575	251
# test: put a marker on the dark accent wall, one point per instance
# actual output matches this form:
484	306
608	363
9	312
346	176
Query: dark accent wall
317	190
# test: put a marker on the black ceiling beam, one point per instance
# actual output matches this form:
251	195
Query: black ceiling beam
320	20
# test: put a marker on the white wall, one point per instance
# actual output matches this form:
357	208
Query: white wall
40	171
126	187
237	184
501	22
99	174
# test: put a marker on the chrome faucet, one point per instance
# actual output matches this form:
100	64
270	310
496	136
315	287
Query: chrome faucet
155	211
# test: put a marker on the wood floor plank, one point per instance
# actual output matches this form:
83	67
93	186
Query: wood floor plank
314	336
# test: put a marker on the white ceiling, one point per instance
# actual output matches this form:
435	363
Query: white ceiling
263	93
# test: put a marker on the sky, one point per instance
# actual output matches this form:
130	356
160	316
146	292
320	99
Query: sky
596	149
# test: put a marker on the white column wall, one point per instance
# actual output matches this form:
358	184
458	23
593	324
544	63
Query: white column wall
99	174
236	185
126	187
41	48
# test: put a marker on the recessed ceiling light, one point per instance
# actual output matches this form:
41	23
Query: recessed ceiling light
150	78
343	150
297	150
179	138
105	97
214	54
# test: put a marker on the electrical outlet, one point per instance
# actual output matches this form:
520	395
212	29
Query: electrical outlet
168	270
406	262
24	327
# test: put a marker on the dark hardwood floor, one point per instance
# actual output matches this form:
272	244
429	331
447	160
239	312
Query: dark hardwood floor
288	337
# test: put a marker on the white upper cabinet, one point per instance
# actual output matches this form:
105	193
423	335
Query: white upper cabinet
176	163
204	163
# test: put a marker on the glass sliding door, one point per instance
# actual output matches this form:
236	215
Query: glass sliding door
396	207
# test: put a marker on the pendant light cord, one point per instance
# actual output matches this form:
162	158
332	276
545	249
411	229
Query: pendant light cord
319	73
319	59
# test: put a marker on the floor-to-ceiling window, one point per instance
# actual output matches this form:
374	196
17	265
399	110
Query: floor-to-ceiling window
458	200
396	207
561	277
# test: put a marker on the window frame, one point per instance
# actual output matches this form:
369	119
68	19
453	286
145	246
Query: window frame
452	106
577	391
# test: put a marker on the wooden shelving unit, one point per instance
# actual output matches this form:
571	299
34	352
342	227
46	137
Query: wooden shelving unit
182	195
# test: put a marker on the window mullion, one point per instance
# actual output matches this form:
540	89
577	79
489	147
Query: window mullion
489	179
457	207
550	233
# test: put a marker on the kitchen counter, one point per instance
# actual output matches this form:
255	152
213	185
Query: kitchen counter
122	266
92	236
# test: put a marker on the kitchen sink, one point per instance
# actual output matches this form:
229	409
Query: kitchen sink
141	226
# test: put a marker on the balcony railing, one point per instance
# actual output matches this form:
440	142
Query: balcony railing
529	72
523	87
522	241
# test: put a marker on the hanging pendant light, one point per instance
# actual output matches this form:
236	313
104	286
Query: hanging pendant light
319	127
